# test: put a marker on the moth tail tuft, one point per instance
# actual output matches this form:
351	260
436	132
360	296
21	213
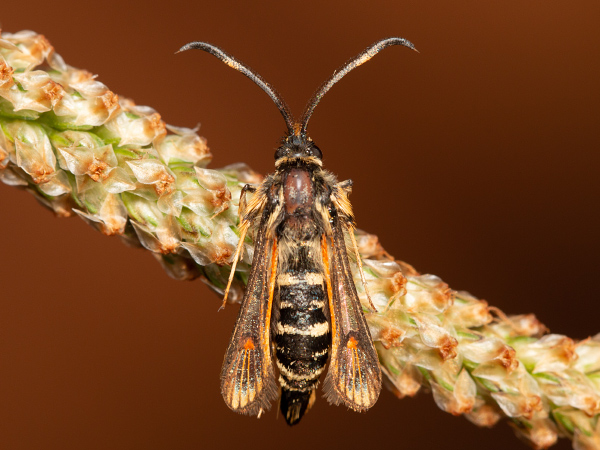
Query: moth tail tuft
294	404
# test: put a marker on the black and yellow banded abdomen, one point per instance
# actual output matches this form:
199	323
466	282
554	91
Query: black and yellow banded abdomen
302	339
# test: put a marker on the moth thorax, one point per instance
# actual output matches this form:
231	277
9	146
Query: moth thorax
298	192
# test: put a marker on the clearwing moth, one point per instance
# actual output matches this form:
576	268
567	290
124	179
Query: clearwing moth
300	307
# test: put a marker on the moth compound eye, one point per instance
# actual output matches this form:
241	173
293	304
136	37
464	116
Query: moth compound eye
280	153
316	151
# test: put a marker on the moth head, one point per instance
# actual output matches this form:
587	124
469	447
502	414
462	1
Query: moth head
294	146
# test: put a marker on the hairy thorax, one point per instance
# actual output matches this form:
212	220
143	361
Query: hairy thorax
301	227
298	199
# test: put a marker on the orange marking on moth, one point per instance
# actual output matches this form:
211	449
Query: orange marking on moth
352	343
272	279
249	344
297	129
329	289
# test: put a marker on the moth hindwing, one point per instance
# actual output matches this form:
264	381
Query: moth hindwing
301	308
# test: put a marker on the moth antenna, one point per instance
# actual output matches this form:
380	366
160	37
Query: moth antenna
358	60
240	67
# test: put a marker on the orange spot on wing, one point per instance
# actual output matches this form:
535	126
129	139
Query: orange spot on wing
352	343
249	344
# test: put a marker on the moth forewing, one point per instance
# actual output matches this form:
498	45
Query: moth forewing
354	376
247	380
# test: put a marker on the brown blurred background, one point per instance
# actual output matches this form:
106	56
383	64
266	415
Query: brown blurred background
476	160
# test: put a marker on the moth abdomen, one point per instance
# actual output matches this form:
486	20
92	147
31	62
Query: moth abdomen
295	403
302	338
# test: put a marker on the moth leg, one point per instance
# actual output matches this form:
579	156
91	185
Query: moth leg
236	257
360	268
244	225
243	204
346	186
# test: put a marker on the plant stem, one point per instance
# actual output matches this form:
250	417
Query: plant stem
77	147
